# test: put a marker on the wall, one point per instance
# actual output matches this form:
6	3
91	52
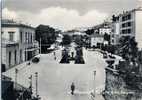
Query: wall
115	33
102	31
95	40
5	31
5	56
139	28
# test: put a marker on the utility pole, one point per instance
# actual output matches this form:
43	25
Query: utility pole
36	76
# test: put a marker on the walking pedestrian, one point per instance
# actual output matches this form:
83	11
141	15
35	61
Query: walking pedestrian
72	88
54	55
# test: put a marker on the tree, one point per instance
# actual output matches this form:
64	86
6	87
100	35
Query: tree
89	31
128	47
66	40
47	35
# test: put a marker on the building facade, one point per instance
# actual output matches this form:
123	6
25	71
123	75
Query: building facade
24	37
115	33
130	25
96	40
9	54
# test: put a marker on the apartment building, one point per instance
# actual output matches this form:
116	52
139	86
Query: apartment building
131	25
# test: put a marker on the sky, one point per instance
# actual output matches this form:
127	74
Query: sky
65	14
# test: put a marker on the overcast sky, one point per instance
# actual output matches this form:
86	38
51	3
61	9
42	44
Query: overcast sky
65	14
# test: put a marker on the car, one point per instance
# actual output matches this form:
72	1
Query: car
35	59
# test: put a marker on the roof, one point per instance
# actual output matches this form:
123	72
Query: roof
11	23
127	12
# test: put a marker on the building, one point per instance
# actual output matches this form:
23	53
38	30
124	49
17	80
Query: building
96	40
103	28
115	33
18	42
131	25
9	54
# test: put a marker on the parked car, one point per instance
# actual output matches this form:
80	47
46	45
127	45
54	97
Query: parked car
35	59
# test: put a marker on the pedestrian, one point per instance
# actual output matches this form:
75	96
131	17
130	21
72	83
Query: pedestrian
54	55
72	54
72	88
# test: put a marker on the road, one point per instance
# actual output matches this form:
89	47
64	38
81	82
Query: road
54	79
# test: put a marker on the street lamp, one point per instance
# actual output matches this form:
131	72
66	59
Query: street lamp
94	87
94	82
16	71
30	87
36	76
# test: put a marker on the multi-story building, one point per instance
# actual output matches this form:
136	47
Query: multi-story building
131	25
20	44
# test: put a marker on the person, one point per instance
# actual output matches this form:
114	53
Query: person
72	88
72	54
54	55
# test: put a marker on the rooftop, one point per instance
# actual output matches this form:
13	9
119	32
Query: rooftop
12	23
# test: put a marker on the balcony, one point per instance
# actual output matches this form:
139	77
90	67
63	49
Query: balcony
33	44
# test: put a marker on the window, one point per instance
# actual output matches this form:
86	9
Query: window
20	55
15	56
9	58
126	31
11	36
21	39
129	31
123	18
31	38
123	25
26	37
129	24
129	16
123	31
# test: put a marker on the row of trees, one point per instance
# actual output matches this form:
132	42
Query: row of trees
47	35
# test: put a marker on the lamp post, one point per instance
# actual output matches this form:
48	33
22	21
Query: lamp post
16	71
94	82
36	76
30	78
